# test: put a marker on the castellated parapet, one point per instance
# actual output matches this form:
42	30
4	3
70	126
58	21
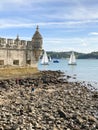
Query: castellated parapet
17	52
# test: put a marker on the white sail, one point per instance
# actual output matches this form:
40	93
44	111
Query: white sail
72	60
44	59
50	58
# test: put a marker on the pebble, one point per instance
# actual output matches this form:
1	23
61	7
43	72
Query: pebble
55	103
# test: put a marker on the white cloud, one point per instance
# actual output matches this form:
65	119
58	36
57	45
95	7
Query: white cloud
74	11
85	45
27	23
93	33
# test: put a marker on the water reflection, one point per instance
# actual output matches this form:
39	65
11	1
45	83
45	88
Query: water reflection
44	67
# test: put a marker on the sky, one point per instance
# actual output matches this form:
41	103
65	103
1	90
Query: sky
65	25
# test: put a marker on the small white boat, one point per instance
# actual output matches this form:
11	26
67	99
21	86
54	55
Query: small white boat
45	60
72	60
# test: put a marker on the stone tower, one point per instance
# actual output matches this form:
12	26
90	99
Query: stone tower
37	44
21	53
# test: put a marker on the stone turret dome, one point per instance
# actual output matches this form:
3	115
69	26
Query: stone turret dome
17	38
37	35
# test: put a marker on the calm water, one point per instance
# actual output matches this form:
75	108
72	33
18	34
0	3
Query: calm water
85	70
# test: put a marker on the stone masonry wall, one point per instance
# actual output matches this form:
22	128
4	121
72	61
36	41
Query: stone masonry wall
10	56
16	52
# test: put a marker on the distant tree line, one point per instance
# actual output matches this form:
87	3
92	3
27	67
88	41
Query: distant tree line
59	55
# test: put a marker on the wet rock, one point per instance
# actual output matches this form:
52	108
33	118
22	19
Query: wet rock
15	127
62	113
92	118
54	104
95	95
79	120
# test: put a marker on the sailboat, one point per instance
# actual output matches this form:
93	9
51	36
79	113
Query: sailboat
49	58
45	60
72	60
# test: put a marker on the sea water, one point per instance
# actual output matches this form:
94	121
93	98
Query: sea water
85	70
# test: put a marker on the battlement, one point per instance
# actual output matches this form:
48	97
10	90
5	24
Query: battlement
12	43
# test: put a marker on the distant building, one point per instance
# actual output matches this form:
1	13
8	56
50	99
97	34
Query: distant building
16	52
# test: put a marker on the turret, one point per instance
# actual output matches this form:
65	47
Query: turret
17	40
37	43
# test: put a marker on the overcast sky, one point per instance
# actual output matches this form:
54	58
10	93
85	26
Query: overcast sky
65	25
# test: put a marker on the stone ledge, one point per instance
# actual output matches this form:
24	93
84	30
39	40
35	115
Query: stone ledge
13	72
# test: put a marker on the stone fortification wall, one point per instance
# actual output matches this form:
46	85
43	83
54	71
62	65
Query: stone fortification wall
13	44
13	57
16	52
12	52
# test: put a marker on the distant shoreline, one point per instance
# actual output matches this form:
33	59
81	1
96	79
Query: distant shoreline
92	55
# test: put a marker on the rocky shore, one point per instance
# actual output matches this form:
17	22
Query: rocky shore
47	101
